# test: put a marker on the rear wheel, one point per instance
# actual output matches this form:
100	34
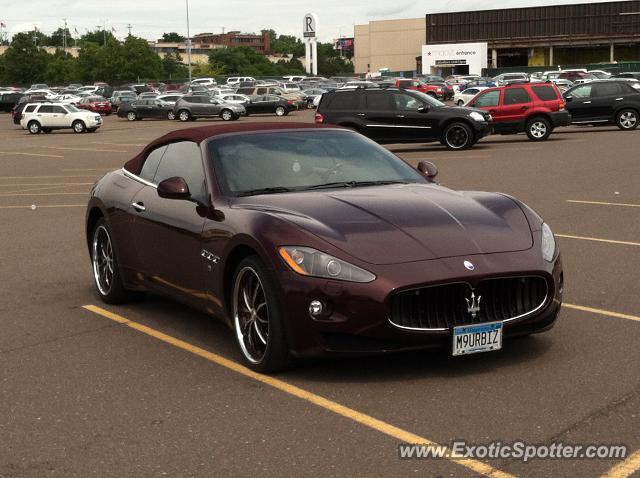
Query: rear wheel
431	94
627	119
34	127
257	318
460	102
171	115
79	127
131	116
183	115
226	115
46	130
538	129
280	111
457	136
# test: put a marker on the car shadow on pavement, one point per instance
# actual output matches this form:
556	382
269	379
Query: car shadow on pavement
212	334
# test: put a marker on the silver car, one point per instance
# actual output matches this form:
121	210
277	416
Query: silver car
192	107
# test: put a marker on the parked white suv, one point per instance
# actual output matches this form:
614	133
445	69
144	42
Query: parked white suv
236	80
206	82
46	117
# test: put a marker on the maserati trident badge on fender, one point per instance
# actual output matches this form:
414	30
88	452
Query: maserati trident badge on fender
473	304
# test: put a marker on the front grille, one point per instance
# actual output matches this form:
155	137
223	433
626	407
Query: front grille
445	306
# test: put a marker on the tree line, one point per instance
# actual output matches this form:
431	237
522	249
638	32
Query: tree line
102	57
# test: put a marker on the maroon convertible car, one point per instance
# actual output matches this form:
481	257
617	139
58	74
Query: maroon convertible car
311	240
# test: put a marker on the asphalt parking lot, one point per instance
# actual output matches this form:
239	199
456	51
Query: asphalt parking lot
154	389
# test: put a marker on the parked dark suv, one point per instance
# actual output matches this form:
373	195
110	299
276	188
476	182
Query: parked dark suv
393	115
604	102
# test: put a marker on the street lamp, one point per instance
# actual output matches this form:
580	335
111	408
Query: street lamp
188	42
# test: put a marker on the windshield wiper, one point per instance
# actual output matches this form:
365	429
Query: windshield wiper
353	184
272	190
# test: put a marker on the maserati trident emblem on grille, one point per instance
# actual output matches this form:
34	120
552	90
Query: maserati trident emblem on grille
469	265
473	304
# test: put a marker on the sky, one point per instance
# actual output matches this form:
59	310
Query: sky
149	19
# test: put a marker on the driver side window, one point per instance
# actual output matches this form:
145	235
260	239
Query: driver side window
583	91
407	102
183	159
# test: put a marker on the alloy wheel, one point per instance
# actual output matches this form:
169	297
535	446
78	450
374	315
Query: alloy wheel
102	258
457	137
628	119
131	116
251	315
171	115
538	129
226	115
280	111
184	116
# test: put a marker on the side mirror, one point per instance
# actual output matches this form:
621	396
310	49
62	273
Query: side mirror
428	169
568	99
423	109
174	188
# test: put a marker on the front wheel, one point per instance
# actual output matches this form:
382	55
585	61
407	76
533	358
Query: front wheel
106	274
184	115
627	119
131	116
79	127
257	318
538	129
457	136
280	111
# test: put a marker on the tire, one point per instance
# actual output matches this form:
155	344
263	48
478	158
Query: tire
627	119
310	105
431	94
131	116
104	263
46	130
171	115
460	103
257	318
34	127
92	130
184	115
457	136
538	129
226	115
280	111
78	127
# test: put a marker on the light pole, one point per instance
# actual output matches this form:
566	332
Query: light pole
188	42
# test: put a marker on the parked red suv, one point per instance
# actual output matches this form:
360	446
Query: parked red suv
535	108
97	104
436	91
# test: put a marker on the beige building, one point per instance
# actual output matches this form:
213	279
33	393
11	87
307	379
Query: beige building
392	44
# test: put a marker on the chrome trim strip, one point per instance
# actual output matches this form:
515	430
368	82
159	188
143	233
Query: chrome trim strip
592	121
511	319
395	126
135	177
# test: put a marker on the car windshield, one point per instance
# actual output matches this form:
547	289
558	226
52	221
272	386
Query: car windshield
263	163
71	109
430	100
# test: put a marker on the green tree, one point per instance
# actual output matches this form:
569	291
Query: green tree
57	38
24	62
173	67
173	37
139	60
330	63
289	45
98	36
62	69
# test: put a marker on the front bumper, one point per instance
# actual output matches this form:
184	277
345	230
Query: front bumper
358	320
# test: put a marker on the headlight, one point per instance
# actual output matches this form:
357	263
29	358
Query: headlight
310	262
477	116
548	243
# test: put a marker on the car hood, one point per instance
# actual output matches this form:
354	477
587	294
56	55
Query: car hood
403	223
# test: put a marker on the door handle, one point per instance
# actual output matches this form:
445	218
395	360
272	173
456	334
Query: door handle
587	103
619	99
524	108
359	114
399	116
138	206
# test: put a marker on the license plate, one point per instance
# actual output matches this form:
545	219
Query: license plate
472	339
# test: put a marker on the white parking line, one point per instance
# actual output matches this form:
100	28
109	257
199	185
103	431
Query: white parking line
596	239
601	203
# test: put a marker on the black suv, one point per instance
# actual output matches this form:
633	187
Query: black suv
603	102
393	115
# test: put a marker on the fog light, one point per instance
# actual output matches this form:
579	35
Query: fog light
316	308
